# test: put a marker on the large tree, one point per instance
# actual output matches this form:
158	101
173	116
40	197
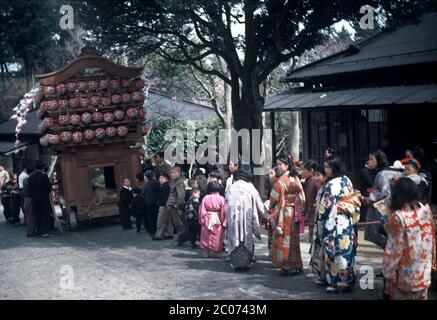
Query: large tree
272	32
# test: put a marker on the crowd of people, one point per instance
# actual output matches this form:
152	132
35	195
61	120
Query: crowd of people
220	210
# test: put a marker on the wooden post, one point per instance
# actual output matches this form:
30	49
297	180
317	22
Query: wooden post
272	123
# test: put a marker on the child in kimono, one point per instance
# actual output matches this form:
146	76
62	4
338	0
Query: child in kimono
192	217
212	218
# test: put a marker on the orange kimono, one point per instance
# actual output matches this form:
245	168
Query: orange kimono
286	200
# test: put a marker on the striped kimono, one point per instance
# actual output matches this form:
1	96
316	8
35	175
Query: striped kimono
286	200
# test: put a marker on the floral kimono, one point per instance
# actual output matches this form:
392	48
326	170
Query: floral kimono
410	254
339	212
286	202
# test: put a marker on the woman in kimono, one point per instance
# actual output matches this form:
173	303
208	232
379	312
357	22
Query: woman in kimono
410	253
212	218
317	250
339	212
287	199
245	210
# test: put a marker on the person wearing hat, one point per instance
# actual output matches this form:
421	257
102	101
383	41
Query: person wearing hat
138	208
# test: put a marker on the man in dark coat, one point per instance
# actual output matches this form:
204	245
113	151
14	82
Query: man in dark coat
151	195
124	204
40	188
138	207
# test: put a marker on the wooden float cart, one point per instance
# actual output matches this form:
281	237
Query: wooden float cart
91	170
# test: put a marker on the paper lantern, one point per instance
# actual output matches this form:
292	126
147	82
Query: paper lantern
106	101
115	84
52	105
54	139
61	88
84	102
62	103
108	117
82	86
138	96
72	86
44	141
97	117
77	137
88	134
75	120
64	120
65	136
86	118
103	84
111	132
100	133
74	102
139	83
116	99
95	100
48	90
132	113
126	83
119	115
125	97
122	131
48	123
142	113
93	85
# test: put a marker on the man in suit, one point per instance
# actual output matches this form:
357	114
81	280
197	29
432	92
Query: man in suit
124	204
39	189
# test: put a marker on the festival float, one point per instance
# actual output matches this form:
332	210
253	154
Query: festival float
92	118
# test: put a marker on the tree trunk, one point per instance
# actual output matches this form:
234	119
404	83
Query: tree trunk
295	135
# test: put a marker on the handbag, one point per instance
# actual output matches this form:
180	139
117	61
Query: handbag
241	257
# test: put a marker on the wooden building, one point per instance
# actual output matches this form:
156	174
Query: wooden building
383	86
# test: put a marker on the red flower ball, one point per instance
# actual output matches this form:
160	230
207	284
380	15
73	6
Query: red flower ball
82	86
137	96
73	102
64	120
139	83
86	118
95	100
126	83
126	97
61	88
72	86
63	103
44	141
75	120
106	101
84	102
88	134
93	85
119	115
100	133
111	132
52	105
97	117
54	139
108	117
122	131
142	113
116	99
132	113
77	137
115	84
65	136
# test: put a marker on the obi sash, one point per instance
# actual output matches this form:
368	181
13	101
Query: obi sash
213	220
